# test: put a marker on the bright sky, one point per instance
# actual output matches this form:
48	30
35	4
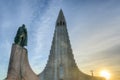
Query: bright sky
93	26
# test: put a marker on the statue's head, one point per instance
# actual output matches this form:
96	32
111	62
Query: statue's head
23	25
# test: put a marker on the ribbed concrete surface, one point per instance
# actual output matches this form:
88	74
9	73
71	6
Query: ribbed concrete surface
19	68
61	64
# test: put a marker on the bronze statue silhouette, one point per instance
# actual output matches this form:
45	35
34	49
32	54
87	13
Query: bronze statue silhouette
21	36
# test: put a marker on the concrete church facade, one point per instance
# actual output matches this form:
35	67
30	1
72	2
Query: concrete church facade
61	63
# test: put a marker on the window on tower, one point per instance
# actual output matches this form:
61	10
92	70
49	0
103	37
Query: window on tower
60	22
63	23
61	72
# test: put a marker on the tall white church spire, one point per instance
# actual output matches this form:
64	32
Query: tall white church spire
61	64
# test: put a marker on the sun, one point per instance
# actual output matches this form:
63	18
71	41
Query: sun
105	74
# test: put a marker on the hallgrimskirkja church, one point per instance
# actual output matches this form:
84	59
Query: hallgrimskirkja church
60	65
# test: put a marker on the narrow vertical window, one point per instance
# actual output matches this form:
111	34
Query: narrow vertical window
61	72
60	22
63	23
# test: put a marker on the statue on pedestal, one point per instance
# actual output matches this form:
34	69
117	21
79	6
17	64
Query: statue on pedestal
21	36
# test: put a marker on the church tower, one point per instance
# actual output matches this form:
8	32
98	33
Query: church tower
61	64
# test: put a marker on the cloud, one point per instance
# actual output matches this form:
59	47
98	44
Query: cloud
96	43
42	36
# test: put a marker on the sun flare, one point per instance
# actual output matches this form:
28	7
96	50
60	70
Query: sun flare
105	74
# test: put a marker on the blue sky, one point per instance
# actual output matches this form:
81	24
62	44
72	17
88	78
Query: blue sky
93	26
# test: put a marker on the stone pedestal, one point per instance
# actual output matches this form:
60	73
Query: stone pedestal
19	68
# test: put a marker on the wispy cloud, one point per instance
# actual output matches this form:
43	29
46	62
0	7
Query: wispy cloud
42	36
96	49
